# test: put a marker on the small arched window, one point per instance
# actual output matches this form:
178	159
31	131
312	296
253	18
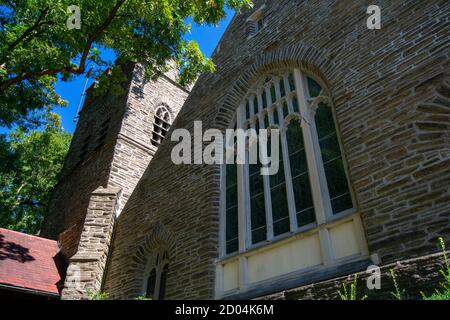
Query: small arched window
309	194
156	276
161	125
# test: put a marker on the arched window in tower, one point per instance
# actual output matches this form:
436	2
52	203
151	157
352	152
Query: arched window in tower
156	276
304	214
161	125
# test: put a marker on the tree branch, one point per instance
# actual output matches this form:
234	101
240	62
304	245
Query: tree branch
27	33
68	69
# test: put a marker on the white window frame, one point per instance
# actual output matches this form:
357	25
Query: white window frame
316	172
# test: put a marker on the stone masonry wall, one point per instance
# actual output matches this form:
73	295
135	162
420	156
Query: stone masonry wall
124	123
111	149
413	277
86	267
91	151
133	150
390	89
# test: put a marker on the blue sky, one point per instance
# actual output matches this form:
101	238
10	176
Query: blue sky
206	36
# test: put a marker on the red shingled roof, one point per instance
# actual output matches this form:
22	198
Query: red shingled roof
27	262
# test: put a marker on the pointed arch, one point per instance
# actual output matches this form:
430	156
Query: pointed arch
310	193
152	255
311	60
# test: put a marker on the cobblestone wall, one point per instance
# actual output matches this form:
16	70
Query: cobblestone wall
111	149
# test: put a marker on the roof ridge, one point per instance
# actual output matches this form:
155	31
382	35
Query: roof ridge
26	234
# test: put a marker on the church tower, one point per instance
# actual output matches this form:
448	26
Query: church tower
115	140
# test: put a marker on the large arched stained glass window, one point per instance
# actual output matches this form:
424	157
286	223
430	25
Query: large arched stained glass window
279	226
295	197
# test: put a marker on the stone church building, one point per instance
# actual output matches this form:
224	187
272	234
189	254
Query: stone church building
364	119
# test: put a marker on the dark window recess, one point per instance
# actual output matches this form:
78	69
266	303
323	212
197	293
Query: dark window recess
151	285
103	131
157	279
162	284
161	125
256	22
259	24
84	148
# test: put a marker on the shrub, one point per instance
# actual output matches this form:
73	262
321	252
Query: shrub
398	294
143	297
97	295
444	292
352	295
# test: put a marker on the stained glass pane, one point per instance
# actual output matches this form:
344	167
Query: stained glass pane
338	186
231	176
277	178
258	219
264	99
256	181
247	111
342	203
295	137
306	217
276	120
257	205
330	148
255	105
282	88
324	121
332	160
273	94
266	121
295	105
300	178
231	196
231	209
298	163
285	109
291	82
303	200
232	244
314	88
280	211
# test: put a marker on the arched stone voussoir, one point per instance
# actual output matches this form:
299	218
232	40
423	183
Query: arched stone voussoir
158	237
309	59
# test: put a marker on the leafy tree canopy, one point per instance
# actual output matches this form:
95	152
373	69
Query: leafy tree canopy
30	162
37	47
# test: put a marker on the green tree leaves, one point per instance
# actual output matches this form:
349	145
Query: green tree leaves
29	169
37	47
